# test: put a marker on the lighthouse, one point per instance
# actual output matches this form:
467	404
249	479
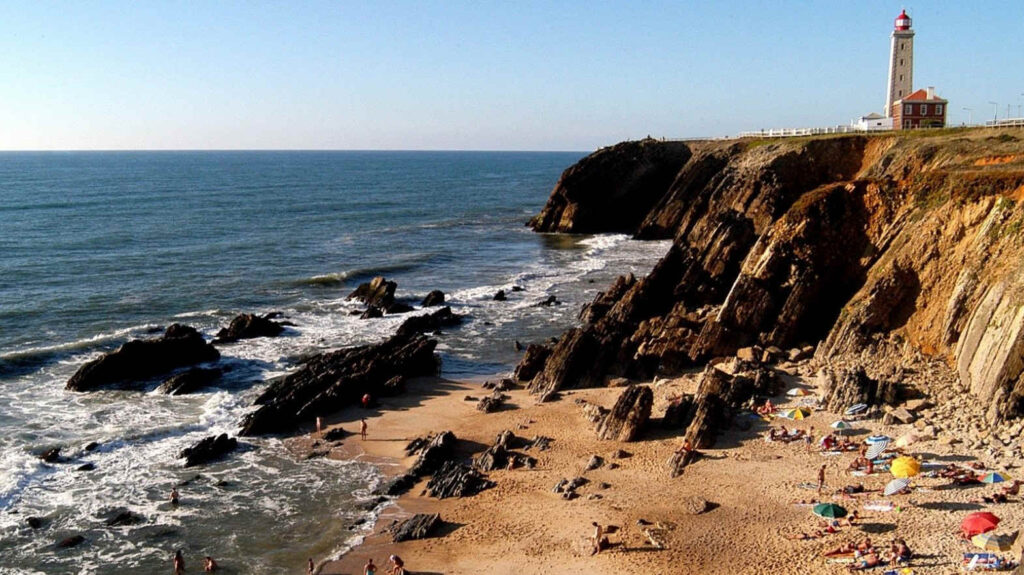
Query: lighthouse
901	62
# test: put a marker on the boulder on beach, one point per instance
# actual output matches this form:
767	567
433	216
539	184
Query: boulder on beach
419	526
180	346
248	325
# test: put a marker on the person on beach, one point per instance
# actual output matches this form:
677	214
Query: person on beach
598	533
209	565
319	428
310	567
369	568
366	400
179	563
821	479
362	429
174	496
397	565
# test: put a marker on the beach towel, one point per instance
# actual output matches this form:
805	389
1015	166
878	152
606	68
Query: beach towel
879	506
808	486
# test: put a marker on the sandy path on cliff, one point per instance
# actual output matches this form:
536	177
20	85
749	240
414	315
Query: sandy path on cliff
520	527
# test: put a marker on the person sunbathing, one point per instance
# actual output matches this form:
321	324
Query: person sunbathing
868	561
844	549
865	546
767	408
964	480
851	519
995	498
805	536
851	489
1013	488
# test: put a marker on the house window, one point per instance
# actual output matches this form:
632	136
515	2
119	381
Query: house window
901	61
901	77
908	109
924	109
938	109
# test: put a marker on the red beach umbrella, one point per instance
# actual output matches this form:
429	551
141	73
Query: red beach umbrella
978	522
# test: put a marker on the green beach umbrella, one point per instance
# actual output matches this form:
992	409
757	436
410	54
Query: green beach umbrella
829	510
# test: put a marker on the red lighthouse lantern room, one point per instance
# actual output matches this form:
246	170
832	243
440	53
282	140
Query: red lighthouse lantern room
903	21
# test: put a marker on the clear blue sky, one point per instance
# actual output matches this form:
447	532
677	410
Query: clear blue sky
512	75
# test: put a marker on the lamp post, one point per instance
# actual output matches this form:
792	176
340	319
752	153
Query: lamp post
995	112
970	116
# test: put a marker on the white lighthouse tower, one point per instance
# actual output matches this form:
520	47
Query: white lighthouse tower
901	62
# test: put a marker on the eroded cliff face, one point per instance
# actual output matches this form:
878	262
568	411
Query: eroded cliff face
875	246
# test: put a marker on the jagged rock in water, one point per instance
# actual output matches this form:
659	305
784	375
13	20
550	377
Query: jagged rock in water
378	292
433	298
492	402
550	301
454	479
34	522
852	385
72	541
189	381
246	326
613	189
180	346
336	434
372	312
86	467
629	416
398	307
51	455
208	449
499	295
122	517
330	381
438	451
532	362
91	446
419	526
430	322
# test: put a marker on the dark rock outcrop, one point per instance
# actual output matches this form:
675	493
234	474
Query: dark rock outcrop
378	292
433	454
532	362
192	380
336	434
72	541
419	526
247	326
455	479
500	455
500	295
629	416
491	403
180	346
430	322
51	455
122	517
852	385
208	449
330	381
372	313
613	189
433	298
35	522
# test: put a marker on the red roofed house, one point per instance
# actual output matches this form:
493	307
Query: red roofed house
921	109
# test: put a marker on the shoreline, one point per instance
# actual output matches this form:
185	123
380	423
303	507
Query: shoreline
750	487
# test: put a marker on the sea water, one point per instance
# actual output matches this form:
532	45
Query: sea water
97	248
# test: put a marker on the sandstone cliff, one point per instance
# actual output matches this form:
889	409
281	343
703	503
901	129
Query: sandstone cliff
876	247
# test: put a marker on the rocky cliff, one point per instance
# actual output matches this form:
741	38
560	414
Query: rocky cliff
875	247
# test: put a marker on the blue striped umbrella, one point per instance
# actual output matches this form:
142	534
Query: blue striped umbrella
873	439
856	408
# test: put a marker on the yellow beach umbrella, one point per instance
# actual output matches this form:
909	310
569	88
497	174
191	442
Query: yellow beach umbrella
798	413
905	467
993	542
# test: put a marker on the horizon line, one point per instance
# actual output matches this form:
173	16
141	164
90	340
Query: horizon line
75	150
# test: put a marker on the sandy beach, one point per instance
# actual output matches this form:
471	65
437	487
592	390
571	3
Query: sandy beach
752	487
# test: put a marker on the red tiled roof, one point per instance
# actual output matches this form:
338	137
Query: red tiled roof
921	95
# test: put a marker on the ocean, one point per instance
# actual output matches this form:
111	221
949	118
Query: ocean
97	248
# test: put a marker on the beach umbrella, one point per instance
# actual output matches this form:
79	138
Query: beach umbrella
979	522
873	439
841	425
907	439
993	542
993	477
798	413
896	485
798	392
905	467
829	510
876	449
856	408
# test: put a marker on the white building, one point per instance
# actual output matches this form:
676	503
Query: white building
872	123
901	62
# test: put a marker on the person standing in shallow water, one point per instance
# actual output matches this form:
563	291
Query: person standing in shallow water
369	568
174	497
179	563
